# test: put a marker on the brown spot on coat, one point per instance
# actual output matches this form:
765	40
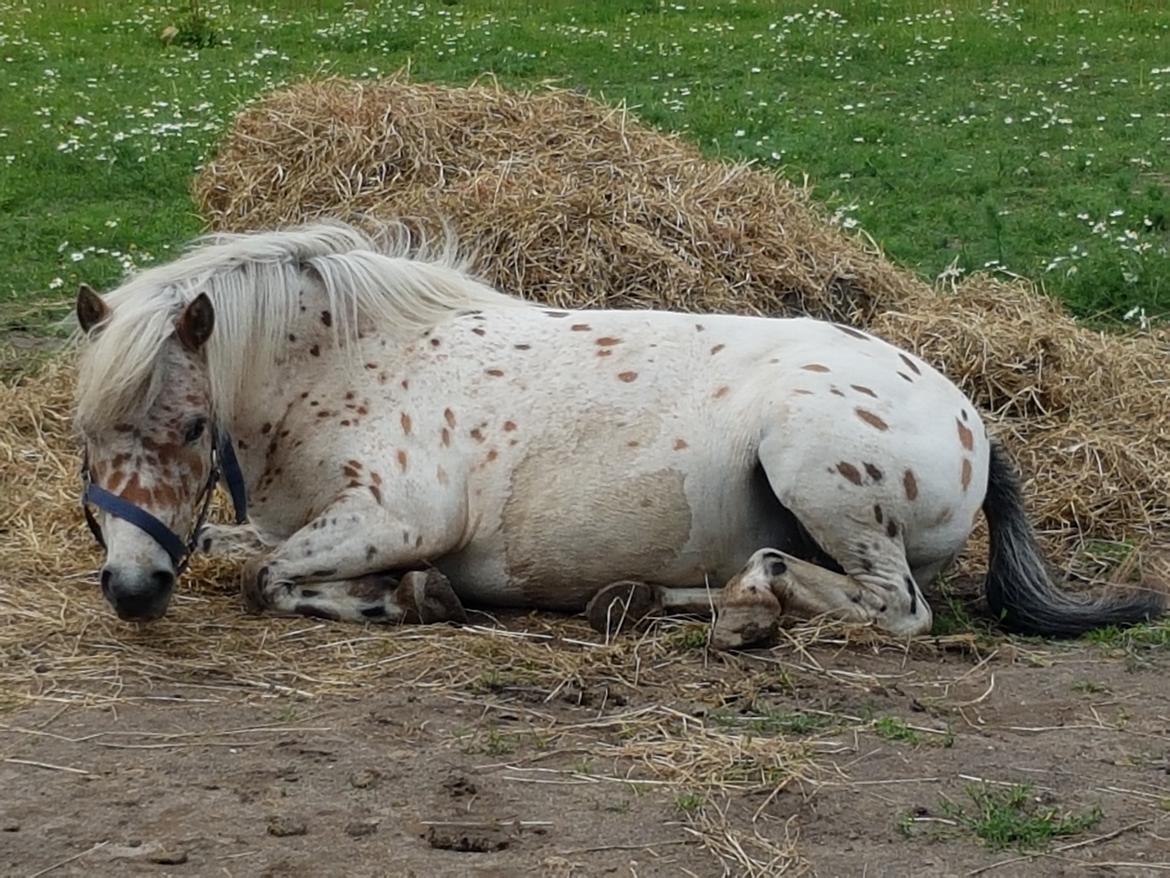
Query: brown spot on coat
910	364
607	341
557	313
377	494
315	350
495	373
604	353
441	475
815	367
966	438
680	444
717	349
627	376
850	472
722	391
326	318
446	437
492	455
402	460
509	426
878	515
891	529
873	472
477	434
480	331
966	477
699	327
435	342
580	327
802	392
871	419
910	485
522	347
862	389
404	419
450	417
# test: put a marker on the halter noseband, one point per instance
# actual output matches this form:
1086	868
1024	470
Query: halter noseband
180	550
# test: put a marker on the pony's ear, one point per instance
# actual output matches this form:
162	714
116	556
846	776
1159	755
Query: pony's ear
194	325
91	308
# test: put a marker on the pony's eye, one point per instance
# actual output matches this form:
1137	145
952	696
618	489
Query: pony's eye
195	430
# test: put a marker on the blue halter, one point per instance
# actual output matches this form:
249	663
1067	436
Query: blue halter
223	463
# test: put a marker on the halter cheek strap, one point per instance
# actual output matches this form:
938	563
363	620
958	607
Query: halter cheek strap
233	476
222	455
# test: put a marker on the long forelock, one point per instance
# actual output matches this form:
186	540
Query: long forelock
393	278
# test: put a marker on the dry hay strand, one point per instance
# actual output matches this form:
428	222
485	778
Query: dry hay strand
750	852
574	203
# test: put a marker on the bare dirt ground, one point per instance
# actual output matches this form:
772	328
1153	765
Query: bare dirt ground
839	758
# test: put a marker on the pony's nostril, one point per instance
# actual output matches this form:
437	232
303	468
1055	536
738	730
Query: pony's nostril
162	580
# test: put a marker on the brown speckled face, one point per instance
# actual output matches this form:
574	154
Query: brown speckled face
158	458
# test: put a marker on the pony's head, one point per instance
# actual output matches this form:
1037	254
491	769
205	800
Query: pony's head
149	448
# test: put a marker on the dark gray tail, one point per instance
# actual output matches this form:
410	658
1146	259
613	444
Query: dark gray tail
1019	590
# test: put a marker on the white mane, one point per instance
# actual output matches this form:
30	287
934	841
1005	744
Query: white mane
254	281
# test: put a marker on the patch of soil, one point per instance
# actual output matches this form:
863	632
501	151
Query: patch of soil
190	780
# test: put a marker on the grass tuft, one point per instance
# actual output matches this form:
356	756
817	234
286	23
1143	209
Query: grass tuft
1014	817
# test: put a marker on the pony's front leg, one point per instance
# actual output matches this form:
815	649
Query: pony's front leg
421	596
225	540
334	567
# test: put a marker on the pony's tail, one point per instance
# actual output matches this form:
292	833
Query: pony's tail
1019	590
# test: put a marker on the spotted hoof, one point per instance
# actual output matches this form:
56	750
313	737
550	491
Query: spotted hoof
434	599
622	605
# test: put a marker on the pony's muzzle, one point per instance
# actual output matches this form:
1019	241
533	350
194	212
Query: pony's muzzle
138	595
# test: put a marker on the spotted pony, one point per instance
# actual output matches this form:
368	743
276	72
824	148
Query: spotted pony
411	441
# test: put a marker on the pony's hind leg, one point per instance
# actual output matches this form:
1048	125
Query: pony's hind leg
860	523
621	606
773	583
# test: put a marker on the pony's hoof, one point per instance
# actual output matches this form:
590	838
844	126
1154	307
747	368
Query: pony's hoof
622	605
254	586
737	627
434	599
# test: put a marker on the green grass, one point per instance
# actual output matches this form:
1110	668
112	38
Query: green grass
1150	635
771	723
893	729
1013	817
1027	136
